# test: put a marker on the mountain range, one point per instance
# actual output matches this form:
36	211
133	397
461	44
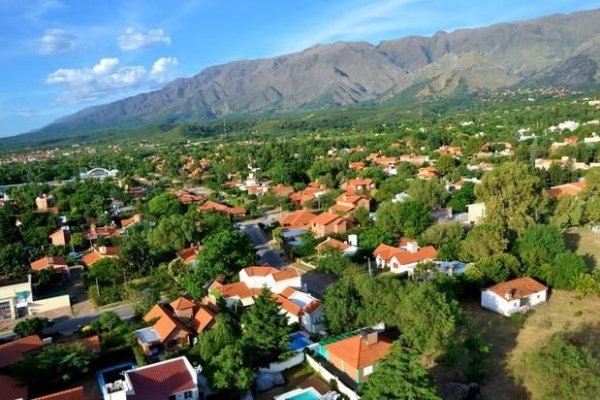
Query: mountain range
557	51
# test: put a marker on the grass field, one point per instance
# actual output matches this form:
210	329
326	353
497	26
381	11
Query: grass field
586	243
510	338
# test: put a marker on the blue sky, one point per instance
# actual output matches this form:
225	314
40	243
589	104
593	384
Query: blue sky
59	56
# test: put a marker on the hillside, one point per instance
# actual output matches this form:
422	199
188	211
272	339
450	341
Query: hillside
558	50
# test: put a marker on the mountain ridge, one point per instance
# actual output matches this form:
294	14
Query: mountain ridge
555	50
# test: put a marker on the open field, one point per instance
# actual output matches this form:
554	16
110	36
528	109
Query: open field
586	243
564	314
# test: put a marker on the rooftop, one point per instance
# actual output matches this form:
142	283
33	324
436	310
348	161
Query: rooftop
13	352
518	288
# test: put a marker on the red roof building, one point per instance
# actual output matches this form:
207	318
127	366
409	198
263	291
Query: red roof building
70	394
58	264
327	224
299	219
13	352
405	257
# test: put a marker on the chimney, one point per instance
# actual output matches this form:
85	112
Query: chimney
353	240
509	294
102	249
370	337
93	228
412	246
137	217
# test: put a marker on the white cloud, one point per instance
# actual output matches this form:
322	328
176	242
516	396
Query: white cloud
56	41
106	78
133	39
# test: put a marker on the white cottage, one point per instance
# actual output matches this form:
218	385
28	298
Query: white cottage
515	296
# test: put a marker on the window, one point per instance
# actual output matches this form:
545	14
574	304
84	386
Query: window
172	397
187	395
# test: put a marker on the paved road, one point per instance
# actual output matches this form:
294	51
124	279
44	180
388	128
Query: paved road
259	238
266	219
261	245
268	256
68	324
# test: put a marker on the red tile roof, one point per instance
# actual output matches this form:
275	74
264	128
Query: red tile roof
326	219
260	271
91	258
11	389
70	394
13	352
203	319
46	262
182	304
518	288
355	350
387	252
297	219
161	380
237	289
166	323
568	189
333	244
189	253
289	273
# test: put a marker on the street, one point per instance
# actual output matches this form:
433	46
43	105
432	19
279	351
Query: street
261	244
68	324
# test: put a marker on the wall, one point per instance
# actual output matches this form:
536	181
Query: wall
53	303
297	359
328	376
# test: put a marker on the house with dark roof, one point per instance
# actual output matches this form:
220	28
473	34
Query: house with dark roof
514	296
174	379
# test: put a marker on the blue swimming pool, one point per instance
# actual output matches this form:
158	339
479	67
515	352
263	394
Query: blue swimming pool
298	341
304	396
300	394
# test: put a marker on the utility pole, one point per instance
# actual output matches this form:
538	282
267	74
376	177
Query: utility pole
97	288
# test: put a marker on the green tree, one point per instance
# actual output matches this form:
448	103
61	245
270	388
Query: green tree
400	375
445	164
266	331
13	263
568	212
409	218
538	246
31	326
446	238
164	204
483	241
494	269
172	233
230	371
333	261
431	192
342	306
565	271
513	196
592	209
221	335
372	237
460	199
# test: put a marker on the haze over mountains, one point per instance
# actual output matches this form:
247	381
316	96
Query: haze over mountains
558	50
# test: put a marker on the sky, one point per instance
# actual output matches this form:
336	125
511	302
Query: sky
60	56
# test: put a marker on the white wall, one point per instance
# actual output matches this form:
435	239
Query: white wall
499	304
328	376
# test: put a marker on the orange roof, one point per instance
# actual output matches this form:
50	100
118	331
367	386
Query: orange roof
70	394
203	319
358	182
222	208
13	352
91	258
289	306
520	287
326	218
355	350
333	244
341	208
130	221
387	252
350	198
46	262
359	165
182	304
237	289
568	189
293	308
11	389
166	323
189	253
297	219
282	190
286	274
260	271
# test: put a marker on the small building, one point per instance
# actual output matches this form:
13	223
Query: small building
15	297
359	185
44	202
61	236
475	213
405	257
174	379
212	206
129	222
327	224
302	308
348	203
13	352
334	244
299	219
514	296
98	253
189	254
56	263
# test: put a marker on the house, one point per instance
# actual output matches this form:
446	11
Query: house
105	232
568	189
357	356
357	165
44	202
188	197
306	196
515	296
128	222
174	379
427	173
61	236
280	190
302	308
173	325
13	352
12	389
97	253
212	206
299	219
455	151
327	224
348	203
475	212
405	257
69	394
544	163
189	254
359	185
413	159
334	244
58	264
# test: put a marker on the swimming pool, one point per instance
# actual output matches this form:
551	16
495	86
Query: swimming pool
300	394
298	341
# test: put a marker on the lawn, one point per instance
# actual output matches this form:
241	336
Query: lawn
586	243
564	314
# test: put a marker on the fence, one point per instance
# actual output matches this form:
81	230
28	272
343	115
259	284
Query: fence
297	359
51	304
329	377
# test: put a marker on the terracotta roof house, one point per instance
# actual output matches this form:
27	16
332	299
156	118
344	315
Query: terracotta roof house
403	258
187	197
299	219
12	389
69	394
334	244
348	203
327	224
171	379
357	165
307	195
98	253
413	159
280	190
128	222
61	236
357	355
358	185
568	189
450	151
189	254
514	296
58	264
13	352
302	308
427	173
212	206
106	232
385	161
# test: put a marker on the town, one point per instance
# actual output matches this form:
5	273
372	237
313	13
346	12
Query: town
450	256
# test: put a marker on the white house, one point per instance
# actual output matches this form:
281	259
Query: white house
403	258
515	296
476	212
274	279
302	308
174	379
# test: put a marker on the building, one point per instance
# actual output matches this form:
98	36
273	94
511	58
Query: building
359	185
299	219
357	356
427	173
98	173
309	194
348	203
44	202
568	189
58	264
15	297
98	253
174	379
69	394
189	254
405	257
105	232
515	296
129	222
212	206
12	389
283	191
61	236
337	245
357	165
475	213
13	352
302	308
327	224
